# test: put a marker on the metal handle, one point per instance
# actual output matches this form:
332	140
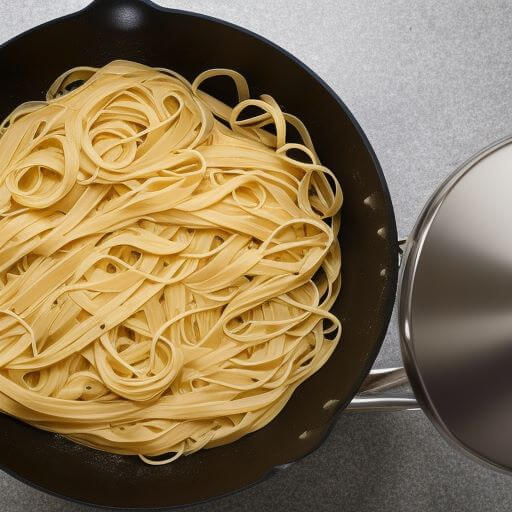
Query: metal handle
375	393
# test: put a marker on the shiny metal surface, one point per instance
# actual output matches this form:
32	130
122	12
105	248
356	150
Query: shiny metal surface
455	310
383	403
381	379
375	395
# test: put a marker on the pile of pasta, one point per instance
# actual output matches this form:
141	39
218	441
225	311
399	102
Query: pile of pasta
167	262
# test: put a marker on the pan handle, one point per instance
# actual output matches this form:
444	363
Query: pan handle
376	393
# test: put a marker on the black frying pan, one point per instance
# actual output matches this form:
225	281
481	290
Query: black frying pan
189	43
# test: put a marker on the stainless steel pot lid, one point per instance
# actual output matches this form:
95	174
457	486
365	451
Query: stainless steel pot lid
455	310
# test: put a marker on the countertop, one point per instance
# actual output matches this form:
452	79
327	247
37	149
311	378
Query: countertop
430	83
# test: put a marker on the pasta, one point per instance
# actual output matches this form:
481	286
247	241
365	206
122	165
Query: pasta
167	262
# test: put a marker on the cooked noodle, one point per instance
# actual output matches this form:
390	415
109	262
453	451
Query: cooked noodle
165	281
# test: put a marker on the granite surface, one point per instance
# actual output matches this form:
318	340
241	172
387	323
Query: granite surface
430	83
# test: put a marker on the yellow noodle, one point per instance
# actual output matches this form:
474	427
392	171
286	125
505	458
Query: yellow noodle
166	263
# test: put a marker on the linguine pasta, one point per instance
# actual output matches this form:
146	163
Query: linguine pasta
167	262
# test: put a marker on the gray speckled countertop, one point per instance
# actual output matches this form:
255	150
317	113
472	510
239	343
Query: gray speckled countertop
430	83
